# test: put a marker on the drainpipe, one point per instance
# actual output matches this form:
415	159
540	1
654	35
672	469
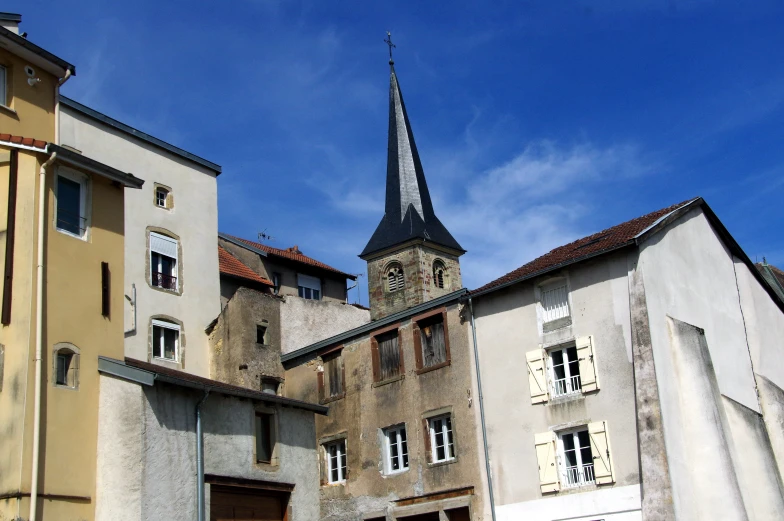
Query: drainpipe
39	329
199	459
482	411
60	83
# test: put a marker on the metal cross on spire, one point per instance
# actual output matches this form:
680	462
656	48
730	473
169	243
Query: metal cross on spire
388	41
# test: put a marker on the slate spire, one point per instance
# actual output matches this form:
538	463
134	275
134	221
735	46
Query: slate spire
409	211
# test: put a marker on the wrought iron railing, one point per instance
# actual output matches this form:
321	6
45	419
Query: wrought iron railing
164	281
566	386
577	476
71	222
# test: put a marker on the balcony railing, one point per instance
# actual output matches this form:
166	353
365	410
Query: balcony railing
164	281
70	222
565	386
577	476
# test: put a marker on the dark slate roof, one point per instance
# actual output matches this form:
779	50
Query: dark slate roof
409	211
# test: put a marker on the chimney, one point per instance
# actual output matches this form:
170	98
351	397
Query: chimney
295	249
10	21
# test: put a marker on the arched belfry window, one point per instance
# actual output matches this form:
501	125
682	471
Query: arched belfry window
439	274
395	278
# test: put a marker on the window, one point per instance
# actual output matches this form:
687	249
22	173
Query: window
269	385
564	371
439	274
3	86
387	358
261	334
431	341
309	287
555	301
165	340
576	458
395	277
163	261
276	283
71	202
66	366
336	461
161	197
442	446
395	449
331	382
265	437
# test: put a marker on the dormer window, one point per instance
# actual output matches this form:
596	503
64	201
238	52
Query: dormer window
439	274
395	278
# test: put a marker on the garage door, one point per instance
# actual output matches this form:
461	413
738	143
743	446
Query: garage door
247	504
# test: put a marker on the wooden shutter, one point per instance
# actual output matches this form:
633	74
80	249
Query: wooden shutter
548	467
600	449
418	346
537	376
320	379
587	360
375	359
105	293
8	276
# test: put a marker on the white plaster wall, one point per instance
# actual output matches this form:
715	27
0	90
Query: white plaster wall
506	322
194	219
304	322
614	504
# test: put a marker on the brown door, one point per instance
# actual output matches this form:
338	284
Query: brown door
430	516
247	504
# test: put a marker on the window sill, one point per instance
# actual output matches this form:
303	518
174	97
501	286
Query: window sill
272	466
335	484
176	292
396	473
388	380
553	325
433	367
332	398
566	398
9	110
65	387
82	238
442	463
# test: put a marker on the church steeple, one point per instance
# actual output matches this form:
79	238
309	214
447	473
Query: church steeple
409	211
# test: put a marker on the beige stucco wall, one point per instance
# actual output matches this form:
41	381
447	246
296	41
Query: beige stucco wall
30	110
507	327
193	218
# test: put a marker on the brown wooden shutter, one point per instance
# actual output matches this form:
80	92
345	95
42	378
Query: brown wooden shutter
426	431
105	293
446	339
320	379
343	374
8	277
401	365
375	358
417	345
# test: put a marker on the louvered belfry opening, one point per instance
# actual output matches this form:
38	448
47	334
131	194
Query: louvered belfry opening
395	278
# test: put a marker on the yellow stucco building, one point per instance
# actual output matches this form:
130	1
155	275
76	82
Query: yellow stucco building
61	253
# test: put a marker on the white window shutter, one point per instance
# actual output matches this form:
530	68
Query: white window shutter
585	356
548	467
600	449
163	245
537	375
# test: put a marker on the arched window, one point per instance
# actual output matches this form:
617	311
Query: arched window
395	278
439	274
65	358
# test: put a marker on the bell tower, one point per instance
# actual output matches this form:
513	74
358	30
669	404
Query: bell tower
411	257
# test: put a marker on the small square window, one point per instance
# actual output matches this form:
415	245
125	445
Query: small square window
66	368
261	334
576	458
265	437
442	443
161	197
165	340
395	449
71	203
336	461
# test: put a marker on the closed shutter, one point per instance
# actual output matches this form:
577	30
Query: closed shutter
548	468
163	245
600	449
537	376
585	355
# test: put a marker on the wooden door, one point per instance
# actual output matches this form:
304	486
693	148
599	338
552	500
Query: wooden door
247	504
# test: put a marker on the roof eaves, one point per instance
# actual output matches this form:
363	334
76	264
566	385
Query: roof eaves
370	326
33	48
235	242
127	129
663	221
79	161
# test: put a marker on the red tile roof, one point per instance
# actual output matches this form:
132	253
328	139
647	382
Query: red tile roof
293	254
231	265
26	141
601	242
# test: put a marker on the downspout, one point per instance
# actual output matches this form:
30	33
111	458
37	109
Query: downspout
39	329
199	460
60	83
482	411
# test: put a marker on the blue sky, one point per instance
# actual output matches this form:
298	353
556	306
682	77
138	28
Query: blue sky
536	124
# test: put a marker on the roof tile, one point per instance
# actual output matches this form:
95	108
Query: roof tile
25	141
231	265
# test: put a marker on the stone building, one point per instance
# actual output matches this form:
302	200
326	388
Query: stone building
400	440
647	380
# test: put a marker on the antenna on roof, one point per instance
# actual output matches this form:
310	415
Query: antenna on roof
356	285
264	236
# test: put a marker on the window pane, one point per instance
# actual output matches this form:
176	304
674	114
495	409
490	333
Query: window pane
156	341
69	216
264	438
316	294
393	450
63	365
450	442
170	343
404	448
389	355
301	292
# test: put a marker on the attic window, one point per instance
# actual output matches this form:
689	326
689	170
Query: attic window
395	278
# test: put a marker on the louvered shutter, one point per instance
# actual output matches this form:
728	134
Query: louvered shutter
163	245
585	355
537	375
548	467
600	449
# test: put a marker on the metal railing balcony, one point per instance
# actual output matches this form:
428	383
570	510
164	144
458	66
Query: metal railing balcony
164	281
577	476
566	386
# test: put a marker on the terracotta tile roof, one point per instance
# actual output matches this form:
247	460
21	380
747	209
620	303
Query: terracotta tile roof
228	264
600	242
293	254
26	141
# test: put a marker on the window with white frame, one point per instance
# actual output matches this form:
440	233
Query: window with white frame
3	86
161	197
71	203
442	445
555	301
576	458
336	461
395	449
564	370
165	340
163	261
309	287
66	366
